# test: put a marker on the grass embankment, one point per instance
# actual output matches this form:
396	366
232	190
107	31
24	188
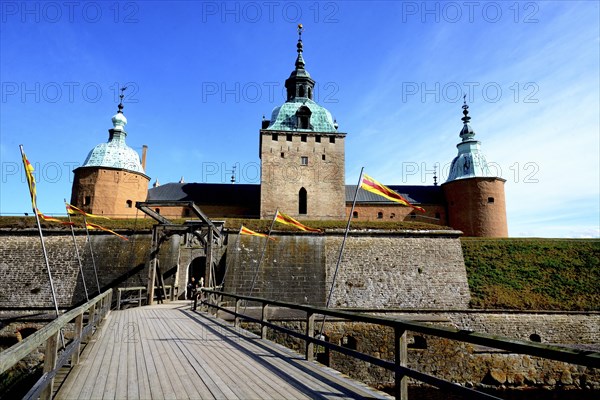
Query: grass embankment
533	274
259	225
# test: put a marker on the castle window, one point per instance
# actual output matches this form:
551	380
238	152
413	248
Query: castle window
302	201
301	92
157	210
355	214
310	93
323	157
303	138
318	139
379	215
186	212
303	115
282	154
87	200
274	136
490	199
129	204
392	215
288	137
303	160
331	139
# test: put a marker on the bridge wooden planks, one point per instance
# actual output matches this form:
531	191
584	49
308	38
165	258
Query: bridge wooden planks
168	351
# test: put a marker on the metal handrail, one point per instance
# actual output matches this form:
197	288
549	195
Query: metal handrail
400	326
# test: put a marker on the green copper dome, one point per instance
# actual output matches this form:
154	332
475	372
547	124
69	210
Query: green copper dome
115	153
470	161
300	112
285	117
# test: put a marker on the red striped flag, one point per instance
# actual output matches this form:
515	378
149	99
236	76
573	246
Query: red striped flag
371	185
30	180
50	219
246	231
74	210
89	225
286	219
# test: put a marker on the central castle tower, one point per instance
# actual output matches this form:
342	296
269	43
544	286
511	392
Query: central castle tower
302	154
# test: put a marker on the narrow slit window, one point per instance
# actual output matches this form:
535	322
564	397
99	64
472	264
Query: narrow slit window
303	160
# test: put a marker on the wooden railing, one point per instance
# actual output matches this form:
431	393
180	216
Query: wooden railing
54	359
121	299
401	327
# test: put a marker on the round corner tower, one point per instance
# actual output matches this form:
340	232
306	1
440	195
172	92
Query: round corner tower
112	178
474	197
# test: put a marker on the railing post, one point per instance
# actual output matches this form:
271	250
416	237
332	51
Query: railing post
263	319
139	297
91	317
50	364
237	310
401	359
118	298
310	332
78	330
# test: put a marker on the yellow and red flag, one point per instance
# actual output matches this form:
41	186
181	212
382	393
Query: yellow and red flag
33	191
74	210
246	231
50	219
30	179
286	219
89	225
371	185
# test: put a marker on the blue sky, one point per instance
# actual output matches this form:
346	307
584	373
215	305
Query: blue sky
202	74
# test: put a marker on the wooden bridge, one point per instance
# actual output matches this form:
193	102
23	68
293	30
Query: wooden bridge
170	352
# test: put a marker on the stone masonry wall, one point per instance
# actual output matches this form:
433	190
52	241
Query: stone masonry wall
292	269
377	271
394	270
25	280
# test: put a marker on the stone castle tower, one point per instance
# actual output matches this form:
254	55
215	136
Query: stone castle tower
302	154
112	177
475	198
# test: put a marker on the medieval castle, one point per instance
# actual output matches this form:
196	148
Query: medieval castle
302	157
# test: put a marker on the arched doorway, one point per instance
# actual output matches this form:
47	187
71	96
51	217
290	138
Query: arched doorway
197	270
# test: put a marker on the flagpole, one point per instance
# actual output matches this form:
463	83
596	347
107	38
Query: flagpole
39	226
339	260
87	297
262	255
91	252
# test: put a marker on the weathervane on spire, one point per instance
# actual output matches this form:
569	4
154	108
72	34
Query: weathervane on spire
465	108
121	96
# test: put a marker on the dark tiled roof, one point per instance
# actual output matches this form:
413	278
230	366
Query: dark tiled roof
414	194
208	193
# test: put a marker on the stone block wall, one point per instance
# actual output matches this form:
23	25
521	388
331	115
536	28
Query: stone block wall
292	269
24	276
407	270
412	270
